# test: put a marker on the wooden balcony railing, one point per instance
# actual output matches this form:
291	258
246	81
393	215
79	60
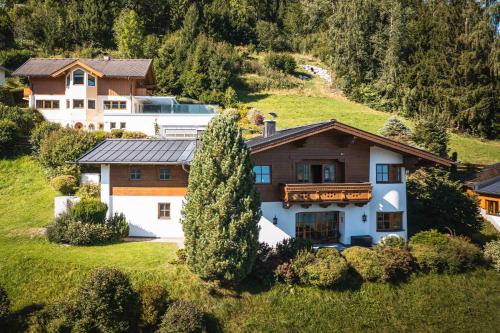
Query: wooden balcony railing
27	93
326	194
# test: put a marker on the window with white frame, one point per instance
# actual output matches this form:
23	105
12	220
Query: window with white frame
164	174
164	210
78	77
135	174
90	80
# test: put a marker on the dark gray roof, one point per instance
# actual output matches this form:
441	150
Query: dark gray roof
257	141
490	187
111	68
140	151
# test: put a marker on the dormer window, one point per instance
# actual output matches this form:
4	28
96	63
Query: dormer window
78	76
90	80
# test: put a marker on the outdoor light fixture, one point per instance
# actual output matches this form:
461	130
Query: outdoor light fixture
363	218
275	220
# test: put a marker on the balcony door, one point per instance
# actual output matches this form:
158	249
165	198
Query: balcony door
317	172
317	227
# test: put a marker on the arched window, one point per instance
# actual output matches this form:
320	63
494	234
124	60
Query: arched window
78	76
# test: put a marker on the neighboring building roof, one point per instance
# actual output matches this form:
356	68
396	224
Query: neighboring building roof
285	136
487	173
491	187
44	67
140	151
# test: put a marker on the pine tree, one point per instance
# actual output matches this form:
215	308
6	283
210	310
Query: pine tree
395	129
431	135
222	208
129	34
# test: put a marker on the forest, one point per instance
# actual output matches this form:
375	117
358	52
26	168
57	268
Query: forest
437	59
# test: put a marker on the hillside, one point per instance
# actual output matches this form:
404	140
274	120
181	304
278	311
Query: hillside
315	101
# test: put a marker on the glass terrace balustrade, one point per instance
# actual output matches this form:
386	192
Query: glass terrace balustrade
176	108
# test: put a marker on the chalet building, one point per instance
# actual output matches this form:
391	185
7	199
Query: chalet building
107	94
325	182
486	187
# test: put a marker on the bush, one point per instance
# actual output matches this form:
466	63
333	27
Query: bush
25	119
492	253
118	225
56	232
182	317
265	263
429	237
89	191
55	317
133	135
290	247
392	241
461	255
154	302
78	233
4	305
14	58
397	262
6	97
285	273
327	270
89	211
40	132
9	137
280	62
65	184
117	133
107	303
366	262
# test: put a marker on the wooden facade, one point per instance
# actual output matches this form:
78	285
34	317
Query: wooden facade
351	159
47	86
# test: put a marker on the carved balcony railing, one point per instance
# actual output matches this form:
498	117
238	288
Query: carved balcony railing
326	194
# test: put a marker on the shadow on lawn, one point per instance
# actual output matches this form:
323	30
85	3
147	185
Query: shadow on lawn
18	320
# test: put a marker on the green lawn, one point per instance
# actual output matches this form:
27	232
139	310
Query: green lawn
313	104
36	272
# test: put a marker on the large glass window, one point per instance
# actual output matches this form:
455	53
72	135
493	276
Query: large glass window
318	227
78	76
115	105
78	104
388	173
262	174
492	207
135	174
391	221
47	104
90	80
164	210
303	173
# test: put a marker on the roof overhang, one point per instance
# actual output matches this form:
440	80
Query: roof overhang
375	139
77	63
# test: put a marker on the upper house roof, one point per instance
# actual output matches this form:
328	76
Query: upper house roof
487	181
51	67
288	135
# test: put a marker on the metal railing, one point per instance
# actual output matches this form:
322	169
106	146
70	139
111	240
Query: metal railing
176	109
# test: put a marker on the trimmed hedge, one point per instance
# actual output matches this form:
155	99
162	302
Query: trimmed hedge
89	211
398	263
366	262
327	269
66	184
183	317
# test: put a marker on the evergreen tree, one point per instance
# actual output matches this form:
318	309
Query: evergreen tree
6	30
395	129
432	135
129	34
222	206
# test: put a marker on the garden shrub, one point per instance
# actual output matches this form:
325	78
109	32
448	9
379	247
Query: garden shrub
182	317
461	255
397	263
392	241
56	232
55	317
492	253
429	237
118	225
89	191
6	97
4	305
366	262
25	119
89	211
181	256
154	301
429	258
285	273
117	133
133	135
327	270
290	247
78	233
265	264
66	184
300	262
106	302
9	137
40	132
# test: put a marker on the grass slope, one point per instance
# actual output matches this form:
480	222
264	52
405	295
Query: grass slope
314	103
36	272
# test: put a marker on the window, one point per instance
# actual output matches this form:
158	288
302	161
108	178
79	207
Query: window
68	81
262	174
328	173
135	174
318	227
492	207
78	76
112	125
164	174
303	173
78	104
91	104
47	104
164	210
388	173
123	125
90	80
180	133
389	221
68	104
115	105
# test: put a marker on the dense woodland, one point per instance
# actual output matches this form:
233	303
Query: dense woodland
424	59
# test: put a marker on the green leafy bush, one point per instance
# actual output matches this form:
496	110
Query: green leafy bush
40	132
25	119
89	211
397	262
117	133
66	184
392	241
461	255
89	191
429	237
133	135
6	97
56	232
290	247
78	233
9	136
118	225
492	253
55	317
366	262
13	58
327	270
280	62
182	317
154	301
285	273
4	305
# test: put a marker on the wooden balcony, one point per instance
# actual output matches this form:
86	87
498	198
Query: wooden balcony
326	194
27	93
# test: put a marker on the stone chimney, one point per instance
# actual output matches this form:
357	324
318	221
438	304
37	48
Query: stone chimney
106	57
269	128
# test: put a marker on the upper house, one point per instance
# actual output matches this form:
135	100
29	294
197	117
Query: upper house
107	94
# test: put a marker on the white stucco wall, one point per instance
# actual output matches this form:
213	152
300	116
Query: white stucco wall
63	116
495	220
61	204
142	215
